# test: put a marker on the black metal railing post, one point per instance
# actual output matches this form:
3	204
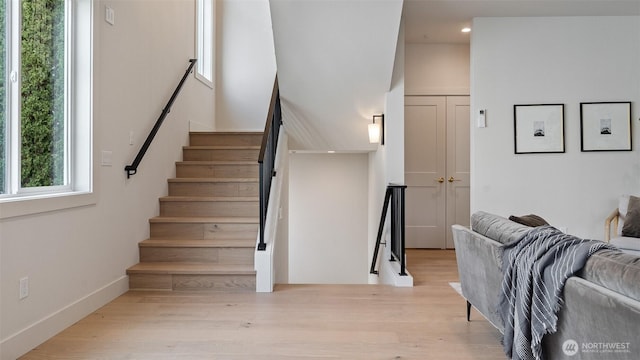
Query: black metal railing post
397	232
394	197
267	157
376	249
133	168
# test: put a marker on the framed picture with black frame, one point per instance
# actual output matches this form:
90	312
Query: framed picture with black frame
605	126
538	128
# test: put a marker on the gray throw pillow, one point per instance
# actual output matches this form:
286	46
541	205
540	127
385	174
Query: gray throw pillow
631	226
529	220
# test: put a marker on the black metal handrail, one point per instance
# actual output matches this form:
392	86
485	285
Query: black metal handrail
267	157
133	168
395	196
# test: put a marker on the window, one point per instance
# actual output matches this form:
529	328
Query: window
204	41
3	100
45	99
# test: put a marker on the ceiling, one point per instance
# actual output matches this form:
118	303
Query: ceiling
335	63
335	58
440	21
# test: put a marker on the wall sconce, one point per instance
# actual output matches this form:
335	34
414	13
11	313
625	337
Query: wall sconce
376	131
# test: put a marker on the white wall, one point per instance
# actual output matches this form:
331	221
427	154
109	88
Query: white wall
552	60
281	257
437	69
394	116
386	164
328	210
245	66
76	258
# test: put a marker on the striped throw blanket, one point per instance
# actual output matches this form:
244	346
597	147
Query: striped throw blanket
535	269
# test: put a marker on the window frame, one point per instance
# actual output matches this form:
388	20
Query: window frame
79	34
14	165
205	41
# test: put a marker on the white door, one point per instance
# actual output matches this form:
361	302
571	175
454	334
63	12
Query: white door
436	168
458	154
424	171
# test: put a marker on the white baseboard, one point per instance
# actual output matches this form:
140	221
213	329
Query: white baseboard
35	334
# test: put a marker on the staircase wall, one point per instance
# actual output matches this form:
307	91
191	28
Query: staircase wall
75	258
387	164
246	65
328	210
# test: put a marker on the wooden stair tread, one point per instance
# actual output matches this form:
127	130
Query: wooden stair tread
213	180
196	220
190	268
221	147
218	162
198	243
226	133
210	198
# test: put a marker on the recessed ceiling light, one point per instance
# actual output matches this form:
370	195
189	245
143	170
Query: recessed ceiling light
331	152
466	30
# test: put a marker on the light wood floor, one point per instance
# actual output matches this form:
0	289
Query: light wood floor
294	322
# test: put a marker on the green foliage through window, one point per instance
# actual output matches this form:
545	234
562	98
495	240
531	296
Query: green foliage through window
42	118
3	98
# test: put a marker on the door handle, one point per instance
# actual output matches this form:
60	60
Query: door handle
452	179
440	180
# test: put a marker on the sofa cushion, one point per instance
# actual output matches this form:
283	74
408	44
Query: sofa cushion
531	220
623	204
614	270
629	245
497	228
626	243
631	225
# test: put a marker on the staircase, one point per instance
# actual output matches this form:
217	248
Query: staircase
205	236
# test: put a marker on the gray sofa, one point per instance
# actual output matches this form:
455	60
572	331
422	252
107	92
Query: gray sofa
600	318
